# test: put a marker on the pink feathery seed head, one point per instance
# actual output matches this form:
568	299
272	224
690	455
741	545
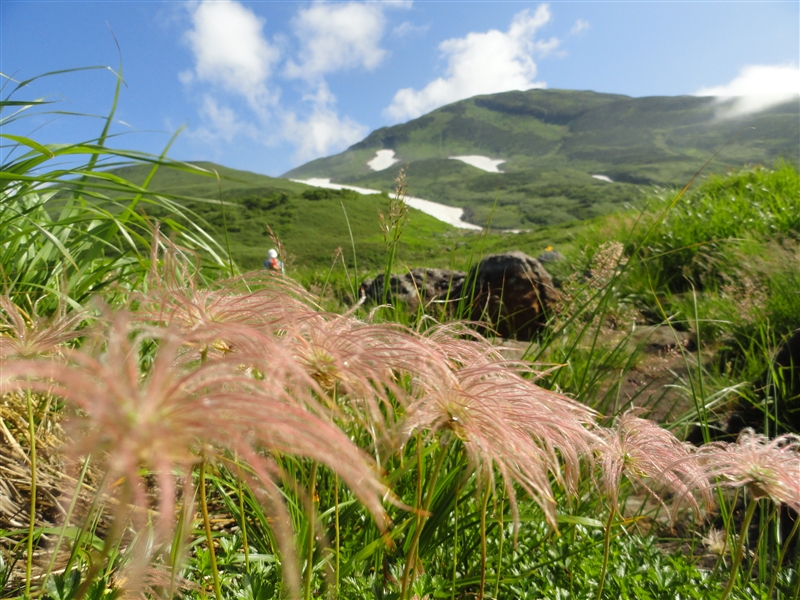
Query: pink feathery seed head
651	457
162	421
503	419
766	468
173	295
29	335
460	344
363	365
263	304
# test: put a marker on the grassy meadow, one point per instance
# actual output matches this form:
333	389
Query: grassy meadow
178	423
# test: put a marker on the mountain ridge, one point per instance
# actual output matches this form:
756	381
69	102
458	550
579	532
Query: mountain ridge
552	143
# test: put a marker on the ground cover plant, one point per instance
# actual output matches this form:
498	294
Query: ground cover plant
173	427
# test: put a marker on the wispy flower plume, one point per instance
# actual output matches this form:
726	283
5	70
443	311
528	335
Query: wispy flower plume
650	457
165	422
27	335
505	421
766	468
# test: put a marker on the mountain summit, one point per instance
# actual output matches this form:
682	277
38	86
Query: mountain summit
542	157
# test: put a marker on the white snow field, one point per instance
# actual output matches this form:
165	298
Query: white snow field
603	178
383	160
448	214
482	162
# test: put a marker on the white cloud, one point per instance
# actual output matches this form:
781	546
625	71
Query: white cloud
323	131
408	29
220	122
235	65
481	63
756	88
230	50
580	25
337	36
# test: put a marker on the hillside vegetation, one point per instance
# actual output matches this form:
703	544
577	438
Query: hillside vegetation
553	141
175	427
312	223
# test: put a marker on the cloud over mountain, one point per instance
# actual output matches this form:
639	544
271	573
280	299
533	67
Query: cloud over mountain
337	36
230	50
481	63
323	129
756	88
236	71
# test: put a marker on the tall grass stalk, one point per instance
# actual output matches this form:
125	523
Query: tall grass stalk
67	521
409	573
310	542
784	548
484	507
606	550
740	547
392	226
355	254
212	554
32	505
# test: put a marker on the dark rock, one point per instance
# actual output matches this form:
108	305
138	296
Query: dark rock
512	292
660	339
417	285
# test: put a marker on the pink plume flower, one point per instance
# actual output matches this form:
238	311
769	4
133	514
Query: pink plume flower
766	468
27	335
505	421
650	457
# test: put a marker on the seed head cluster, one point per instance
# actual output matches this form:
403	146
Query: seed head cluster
250	367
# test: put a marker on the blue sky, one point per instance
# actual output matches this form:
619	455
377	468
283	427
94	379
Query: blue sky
266	86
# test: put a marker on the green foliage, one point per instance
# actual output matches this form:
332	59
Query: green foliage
311	223
450	492
697	241
68	232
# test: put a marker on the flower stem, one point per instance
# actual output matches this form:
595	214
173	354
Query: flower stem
483	542
244	525
737	559
782	555
67	521
209	539
606	550
336	526
455	547
312	479
32	508
501	523
411	559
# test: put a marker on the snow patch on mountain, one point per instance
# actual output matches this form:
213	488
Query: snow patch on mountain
481	162
383	160
448	214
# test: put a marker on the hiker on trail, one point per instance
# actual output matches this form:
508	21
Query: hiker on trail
273	263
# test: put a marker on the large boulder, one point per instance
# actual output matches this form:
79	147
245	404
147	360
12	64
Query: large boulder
512	292
417	285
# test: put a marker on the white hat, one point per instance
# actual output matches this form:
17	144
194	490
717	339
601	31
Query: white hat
272	253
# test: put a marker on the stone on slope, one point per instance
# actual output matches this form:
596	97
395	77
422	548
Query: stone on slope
512	292
425	285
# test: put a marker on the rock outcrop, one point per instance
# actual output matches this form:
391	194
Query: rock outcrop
418	285
512	292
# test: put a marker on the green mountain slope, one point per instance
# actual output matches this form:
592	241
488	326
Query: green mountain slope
552	142
311	222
